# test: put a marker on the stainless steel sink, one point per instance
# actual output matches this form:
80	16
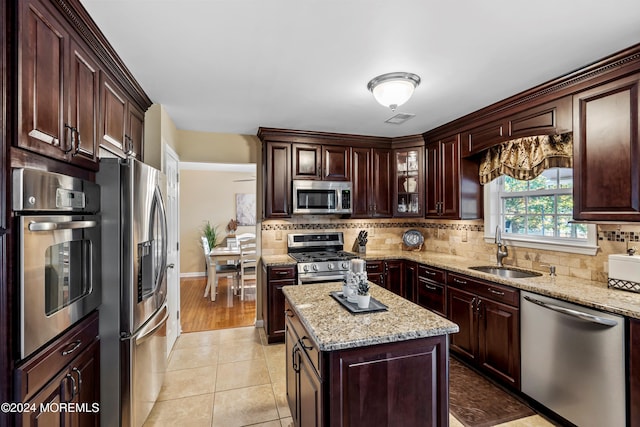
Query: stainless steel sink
508	272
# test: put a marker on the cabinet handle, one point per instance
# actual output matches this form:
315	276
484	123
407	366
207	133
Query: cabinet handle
431	288
478	305
288	313
370	266
72	130
78	142
462	282
73	387
74	346
282	273
294	361
493	291
430	273
77	371
473	301
128	145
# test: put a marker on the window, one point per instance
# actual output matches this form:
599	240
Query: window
537	213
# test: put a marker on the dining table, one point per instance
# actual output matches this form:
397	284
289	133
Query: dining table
215	256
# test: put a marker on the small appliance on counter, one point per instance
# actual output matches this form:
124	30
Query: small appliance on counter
624	271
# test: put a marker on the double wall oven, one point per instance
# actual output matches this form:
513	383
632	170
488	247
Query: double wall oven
320	257
59	253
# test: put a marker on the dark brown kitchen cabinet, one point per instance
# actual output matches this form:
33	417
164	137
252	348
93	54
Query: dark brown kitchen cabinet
606	170
410	279
121	122
277	179
372	172
431	289
327	162
274	279
453	189
343	387
376	272
66	371
58	88
489	319
394	277
408	182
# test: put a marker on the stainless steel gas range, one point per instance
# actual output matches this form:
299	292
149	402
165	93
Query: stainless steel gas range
320	257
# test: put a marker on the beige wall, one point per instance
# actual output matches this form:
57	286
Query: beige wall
158	129
464	238
217	147
207	196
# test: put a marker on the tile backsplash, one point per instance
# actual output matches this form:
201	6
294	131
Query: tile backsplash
464	238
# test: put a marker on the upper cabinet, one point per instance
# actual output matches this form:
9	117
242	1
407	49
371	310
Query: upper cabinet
326	162
277	179
550	118
606	166
74	93
372	174
408	185
58	89
453	188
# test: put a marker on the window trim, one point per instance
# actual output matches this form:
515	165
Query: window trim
492	220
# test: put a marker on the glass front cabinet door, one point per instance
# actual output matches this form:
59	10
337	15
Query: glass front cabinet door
409	183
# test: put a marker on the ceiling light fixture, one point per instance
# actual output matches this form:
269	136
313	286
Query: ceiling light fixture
393	89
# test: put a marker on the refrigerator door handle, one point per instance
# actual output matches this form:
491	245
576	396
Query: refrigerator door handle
150	328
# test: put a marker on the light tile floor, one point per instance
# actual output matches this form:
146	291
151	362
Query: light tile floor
233	378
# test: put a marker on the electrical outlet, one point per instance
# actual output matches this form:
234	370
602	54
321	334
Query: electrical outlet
464	236
278	234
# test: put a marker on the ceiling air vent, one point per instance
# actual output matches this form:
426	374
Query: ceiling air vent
400	118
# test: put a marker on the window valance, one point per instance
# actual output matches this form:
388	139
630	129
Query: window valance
526	158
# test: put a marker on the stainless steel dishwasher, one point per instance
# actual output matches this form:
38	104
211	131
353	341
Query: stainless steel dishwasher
573	360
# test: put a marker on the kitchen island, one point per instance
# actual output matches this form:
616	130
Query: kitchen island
382	368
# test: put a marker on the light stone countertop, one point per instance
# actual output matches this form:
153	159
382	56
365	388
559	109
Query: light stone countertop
333	327
572	289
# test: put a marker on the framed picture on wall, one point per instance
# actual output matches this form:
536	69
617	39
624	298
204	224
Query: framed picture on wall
246	209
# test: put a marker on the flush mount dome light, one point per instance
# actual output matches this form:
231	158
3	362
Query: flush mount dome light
393	89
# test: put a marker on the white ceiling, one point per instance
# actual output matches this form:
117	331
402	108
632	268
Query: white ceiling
235	65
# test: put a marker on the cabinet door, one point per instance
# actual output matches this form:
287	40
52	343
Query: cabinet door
309	393
410	280
461	309
408	183
634	372
606	170
450	178
113	116
292	362
84	106
362	203
432	181
381	183
277	183
431	295
395	277
43	44
498	334
57	391
275	321
336	163
307	161
86	370
135	132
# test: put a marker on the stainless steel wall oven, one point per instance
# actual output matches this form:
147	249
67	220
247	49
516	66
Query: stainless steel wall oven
59	253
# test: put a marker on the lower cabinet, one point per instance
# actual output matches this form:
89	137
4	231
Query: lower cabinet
388	274
66	374
634	372
431	289
489	320
375	272
403	383
274	278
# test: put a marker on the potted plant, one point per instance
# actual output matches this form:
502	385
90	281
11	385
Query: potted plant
363	294
211	233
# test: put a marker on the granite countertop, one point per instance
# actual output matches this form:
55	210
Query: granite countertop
571	289
277	260
334	328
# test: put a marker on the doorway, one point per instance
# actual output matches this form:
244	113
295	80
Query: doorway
171	170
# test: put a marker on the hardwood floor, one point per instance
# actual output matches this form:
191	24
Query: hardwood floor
198	313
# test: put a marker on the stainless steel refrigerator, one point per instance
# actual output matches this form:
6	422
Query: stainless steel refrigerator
133	315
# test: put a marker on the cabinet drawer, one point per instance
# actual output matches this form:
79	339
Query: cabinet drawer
430	273
304	341
375	267
278	273
499	293
432	296
39	370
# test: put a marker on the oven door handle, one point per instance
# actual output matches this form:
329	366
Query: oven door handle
306	280
67	225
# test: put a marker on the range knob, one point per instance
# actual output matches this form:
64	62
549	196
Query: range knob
345	266
330	266
315	267
305	267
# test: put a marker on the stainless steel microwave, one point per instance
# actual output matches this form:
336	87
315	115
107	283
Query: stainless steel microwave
321	197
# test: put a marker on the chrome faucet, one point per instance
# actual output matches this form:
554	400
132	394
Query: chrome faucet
502	249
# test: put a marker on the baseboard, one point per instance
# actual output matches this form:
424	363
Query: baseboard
259	323
194	274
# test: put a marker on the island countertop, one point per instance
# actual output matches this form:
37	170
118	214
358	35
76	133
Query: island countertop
334	328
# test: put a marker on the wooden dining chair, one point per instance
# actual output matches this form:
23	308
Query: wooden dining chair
229	270
248	265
